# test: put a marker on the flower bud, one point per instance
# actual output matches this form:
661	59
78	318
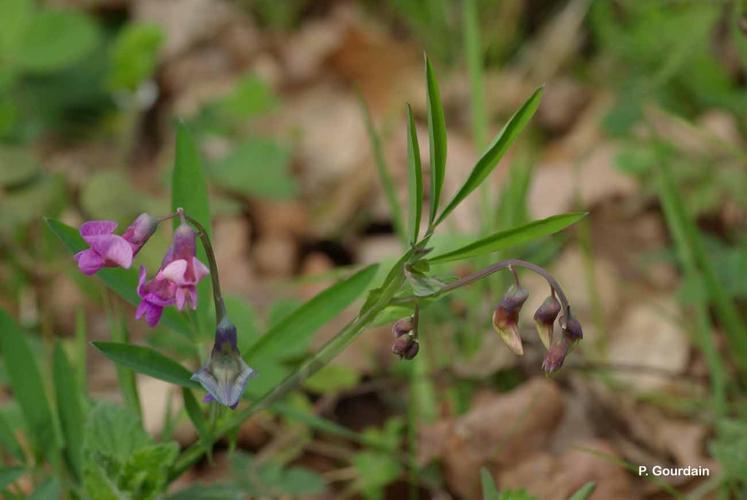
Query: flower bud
506	318
141	229
545	317
405	346
556	354
402	326
573	329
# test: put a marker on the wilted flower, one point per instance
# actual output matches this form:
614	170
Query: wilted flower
109	249
405	346
556	354
573	329
545	317
506	318
402	326
226	373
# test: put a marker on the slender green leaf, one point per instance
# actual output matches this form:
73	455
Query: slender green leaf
122	281
80	349
437	139
195	414
512	237
489	491
27	385
584	492
415	178
125	376
383	171
147	361
69	409
189	191
10	475
495	152
296	329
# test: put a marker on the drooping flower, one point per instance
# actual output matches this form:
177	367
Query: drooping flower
562	345
506	318
545	317
111	250
225	374
176	280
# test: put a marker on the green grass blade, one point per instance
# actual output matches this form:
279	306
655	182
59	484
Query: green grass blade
28	388
489	491
383	171
584	492
489	160
122	281
512	237
69	409
147	361
80	349
125	376
297	328
189	191
415	178
437	139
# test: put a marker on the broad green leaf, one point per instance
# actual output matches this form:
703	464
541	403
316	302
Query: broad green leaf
415	178
375	470
54	39
584	492
189	191
121	281
422	284
145	472
290	336
14	14
134	55
437	139
114	432
495	152
147	361
27	385
257	168
383	171
512	237
10	475
69	409
8	439
489	491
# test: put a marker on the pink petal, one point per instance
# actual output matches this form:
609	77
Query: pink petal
115	250
97	228
175	271
89	261
181	297
151	312
201	269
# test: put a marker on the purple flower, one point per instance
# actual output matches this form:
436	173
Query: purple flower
226	373
109	249
176	280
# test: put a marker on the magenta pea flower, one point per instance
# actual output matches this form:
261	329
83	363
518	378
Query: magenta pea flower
176	280
111	250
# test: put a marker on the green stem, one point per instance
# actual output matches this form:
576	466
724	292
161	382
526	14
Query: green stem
220	307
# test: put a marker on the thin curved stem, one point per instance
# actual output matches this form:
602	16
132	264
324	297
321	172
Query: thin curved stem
220	307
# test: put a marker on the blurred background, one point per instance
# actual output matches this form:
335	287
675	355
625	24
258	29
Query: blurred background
642	124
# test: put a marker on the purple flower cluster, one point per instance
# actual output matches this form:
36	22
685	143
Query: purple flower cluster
176	280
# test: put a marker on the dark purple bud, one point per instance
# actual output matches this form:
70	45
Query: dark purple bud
545	317
556	354
506	318
405	346
573	329
412	350
402	326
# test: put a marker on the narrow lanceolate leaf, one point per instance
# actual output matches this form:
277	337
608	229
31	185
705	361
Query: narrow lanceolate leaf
296	329
69	409
147	361
122	281
415	178
383	171
8	439
28	389
512	237
437	138
489	491
495	152
584	492
189	191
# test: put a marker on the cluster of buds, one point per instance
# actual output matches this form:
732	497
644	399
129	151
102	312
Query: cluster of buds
405	343
225	374
506	323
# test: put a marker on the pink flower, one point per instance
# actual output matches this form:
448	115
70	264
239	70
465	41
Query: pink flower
176	280
109	249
